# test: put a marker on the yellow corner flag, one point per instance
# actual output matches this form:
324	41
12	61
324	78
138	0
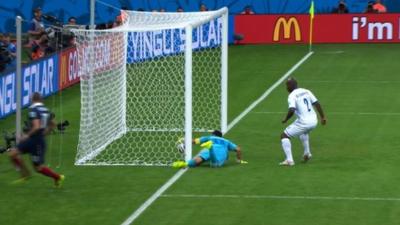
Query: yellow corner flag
311	24
312	10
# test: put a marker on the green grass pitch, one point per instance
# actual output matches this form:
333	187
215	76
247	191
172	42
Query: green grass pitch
353	177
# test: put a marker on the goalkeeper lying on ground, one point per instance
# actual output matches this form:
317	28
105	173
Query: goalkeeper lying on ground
216	150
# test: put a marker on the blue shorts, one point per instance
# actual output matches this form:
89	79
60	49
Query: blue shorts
34	146
217	160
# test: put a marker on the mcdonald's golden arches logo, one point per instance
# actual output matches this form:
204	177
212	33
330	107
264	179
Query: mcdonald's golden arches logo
287	29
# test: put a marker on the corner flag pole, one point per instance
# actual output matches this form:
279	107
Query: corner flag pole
18	129
311	25
92	12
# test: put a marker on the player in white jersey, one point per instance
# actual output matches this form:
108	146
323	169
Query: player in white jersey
301	102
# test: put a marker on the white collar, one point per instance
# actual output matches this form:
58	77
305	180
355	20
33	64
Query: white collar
36	104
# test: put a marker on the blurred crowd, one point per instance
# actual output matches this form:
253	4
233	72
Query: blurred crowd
46	39
376	6
46	35
7	52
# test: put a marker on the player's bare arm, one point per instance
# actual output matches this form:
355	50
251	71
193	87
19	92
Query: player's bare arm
35	127
321	112
289	115
238	154
50	126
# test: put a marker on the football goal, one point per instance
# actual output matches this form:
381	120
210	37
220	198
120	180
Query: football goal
156	78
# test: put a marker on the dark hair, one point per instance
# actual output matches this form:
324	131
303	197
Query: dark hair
37	9
292	80
71	18
36	97
217	133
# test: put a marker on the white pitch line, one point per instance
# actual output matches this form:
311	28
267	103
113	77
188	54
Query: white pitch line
283	197
353	81
332	52
268	91
157	194
346	113
173	179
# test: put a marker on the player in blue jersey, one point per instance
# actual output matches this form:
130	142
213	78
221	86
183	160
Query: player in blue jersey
216	150
33	142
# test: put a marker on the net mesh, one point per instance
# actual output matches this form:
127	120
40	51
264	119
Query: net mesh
133	92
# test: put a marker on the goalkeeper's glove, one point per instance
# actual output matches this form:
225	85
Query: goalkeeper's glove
207	145
241	161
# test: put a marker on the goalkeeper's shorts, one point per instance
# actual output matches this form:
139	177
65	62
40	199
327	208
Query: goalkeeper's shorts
215	159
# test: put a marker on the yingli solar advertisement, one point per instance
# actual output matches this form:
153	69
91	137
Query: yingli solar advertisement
327	28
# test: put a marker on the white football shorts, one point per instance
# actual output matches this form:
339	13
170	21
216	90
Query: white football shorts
296	128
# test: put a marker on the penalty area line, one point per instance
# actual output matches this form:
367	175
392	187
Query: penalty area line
344	113
173	179
283	197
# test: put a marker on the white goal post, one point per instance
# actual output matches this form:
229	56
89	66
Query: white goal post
145	84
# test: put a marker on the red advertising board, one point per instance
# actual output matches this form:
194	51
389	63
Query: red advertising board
68	68
327	28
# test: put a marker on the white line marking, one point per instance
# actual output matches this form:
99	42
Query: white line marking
346	113
268	92
332	52
173	179
283	197
352	81
157	194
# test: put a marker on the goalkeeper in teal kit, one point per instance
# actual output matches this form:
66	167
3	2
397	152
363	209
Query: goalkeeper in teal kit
215	150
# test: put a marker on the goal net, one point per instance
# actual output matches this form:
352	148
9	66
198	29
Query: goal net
156	78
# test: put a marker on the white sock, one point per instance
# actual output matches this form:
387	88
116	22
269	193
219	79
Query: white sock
306	144
287	148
